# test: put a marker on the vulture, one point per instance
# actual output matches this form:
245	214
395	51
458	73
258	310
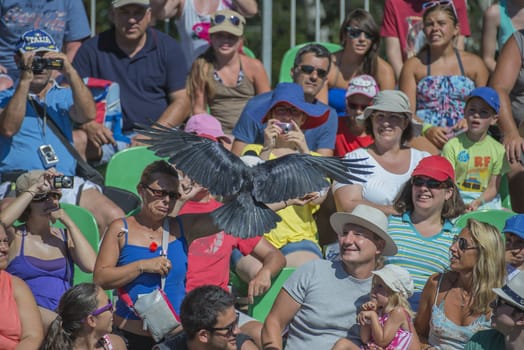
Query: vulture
244	189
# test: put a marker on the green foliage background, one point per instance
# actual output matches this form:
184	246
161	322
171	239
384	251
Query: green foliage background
305	27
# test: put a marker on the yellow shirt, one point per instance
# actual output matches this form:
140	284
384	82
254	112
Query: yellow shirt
297	222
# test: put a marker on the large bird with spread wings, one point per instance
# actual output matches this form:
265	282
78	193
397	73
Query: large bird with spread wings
245	189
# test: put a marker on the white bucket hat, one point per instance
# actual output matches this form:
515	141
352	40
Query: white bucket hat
513	291
369	218
397	279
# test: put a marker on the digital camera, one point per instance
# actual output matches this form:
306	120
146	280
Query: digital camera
41	63
286	127
63	181
47	155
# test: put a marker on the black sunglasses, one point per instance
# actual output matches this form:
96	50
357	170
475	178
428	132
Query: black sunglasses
463	243
162	193
429	183
230	328
307	69
221	18
355	33
47	196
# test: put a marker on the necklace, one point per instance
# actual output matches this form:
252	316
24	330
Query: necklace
464	298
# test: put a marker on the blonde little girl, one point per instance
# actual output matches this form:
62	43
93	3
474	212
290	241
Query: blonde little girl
386	320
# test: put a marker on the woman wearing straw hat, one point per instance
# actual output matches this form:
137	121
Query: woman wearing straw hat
388	119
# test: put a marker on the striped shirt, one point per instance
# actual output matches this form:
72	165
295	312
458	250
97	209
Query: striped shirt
421	256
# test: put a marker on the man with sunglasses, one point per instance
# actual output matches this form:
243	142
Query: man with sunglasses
210	322
402	28
507	319
309	71
149	67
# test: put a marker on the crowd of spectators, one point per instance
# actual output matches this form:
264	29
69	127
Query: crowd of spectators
439	127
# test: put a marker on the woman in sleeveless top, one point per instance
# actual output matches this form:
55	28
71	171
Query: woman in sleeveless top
440	77
84	321
501	19
360	39
20	326
455	303
132	259
222	78
42	255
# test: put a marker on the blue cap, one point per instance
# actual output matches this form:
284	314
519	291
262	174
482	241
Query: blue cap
515	225
36	40
488	95
293	94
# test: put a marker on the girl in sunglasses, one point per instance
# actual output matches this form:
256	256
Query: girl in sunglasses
43	255
84	321
440	77
455	303
223	78
359	37
423	230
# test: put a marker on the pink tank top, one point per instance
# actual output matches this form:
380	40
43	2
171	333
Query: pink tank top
10	327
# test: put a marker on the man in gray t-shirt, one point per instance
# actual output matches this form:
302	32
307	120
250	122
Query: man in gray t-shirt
320	301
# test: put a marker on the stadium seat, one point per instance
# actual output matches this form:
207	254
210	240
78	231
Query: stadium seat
248	52
289	58
262	305
87	224
504	192
125	167
496	217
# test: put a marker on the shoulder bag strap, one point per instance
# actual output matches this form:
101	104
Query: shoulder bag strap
72	150
165	244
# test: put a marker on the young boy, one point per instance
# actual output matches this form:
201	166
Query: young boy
479	160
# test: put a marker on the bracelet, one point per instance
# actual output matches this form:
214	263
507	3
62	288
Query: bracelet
30	192
425	128
482	201
140	268
285	203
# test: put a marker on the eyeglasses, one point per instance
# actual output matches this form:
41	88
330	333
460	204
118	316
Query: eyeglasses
357	106
463	243
286	111
230	328
107	307
429	183
355	33
234	20
307	69
47	196
445	3
162	193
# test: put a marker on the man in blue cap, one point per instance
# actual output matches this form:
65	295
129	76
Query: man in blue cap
514	237
27	142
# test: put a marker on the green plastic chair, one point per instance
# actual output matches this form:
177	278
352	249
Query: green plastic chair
87	224
504	192
289	58
125	167
248	52
496	217
262	304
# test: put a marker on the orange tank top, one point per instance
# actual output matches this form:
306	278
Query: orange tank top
10	326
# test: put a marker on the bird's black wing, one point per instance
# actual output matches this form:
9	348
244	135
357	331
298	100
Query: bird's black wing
295	175
205	161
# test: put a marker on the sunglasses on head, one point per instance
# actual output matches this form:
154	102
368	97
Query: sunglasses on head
463	243
428	182
446	3
307	69
107	307
355	33
47	196
234	20
159	193
230	328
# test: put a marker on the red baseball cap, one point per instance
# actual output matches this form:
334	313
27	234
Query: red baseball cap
435	167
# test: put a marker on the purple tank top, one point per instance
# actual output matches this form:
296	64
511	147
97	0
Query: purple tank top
47	279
